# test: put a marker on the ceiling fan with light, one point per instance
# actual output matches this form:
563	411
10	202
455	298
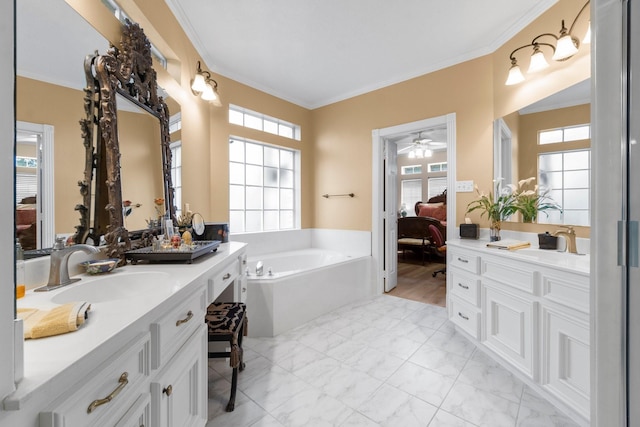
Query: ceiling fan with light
422	147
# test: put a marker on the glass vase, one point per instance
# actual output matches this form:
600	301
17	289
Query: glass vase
494	231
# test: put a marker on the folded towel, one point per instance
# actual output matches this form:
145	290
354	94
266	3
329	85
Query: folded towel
58	320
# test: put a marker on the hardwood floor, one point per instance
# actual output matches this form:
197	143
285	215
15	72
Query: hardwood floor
416	283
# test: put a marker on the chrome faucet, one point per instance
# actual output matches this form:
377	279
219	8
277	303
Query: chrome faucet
59	270
259	268
569	235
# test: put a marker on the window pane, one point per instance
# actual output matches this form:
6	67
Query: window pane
235	117
254	153
576	160
576	179
254	175
576	217
286	220
550	217
236	173
286	159
271	156
271	127
252	122
271	220
550	162
551	180
444	167
236	221
576	133
550	136
286	131
236	151
286	178
236	197
411	193
176	156
576	199
254	221
254	198
286	199
270	177
176	178
271	199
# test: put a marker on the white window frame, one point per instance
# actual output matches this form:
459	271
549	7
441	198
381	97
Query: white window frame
436	190
542	218
258	121
441	165
563	130
411	170
176	170
234	227
405	200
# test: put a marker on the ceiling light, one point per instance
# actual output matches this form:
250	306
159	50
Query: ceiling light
412	154
205	87
515	75
566	45
428	153
538	61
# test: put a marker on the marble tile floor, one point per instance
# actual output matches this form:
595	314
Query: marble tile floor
386	361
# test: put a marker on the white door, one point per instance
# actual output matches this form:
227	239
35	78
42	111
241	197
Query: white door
391	215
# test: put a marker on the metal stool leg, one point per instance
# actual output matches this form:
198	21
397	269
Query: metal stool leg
234	384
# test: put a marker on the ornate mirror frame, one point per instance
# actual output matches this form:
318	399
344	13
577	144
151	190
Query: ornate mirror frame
126	71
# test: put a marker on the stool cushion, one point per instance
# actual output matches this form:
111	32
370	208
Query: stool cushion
224	320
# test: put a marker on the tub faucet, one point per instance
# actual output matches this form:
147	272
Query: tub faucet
569	235
59	270
259	268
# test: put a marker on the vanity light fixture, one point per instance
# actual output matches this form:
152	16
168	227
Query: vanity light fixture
205	87
565	47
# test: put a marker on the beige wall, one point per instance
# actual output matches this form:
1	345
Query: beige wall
336	144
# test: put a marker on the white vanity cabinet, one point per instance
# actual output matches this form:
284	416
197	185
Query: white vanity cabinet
529	309
135	362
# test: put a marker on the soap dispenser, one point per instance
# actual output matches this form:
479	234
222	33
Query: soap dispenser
20	286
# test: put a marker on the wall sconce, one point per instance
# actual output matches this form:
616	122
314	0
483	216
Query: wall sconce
205	87
566	46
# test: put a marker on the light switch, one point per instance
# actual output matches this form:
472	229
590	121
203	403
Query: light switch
464	186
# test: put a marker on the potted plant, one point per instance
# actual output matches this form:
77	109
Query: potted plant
529	201
498	205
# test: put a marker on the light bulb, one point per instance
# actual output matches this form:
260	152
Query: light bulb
208	94
565	48
538	62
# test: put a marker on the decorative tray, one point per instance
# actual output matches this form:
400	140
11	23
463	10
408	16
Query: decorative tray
198	248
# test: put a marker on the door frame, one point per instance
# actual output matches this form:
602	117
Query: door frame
45	200
378	230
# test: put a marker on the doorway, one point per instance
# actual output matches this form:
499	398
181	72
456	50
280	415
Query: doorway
385	202
34	180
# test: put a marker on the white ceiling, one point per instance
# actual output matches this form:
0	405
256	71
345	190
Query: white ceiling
314	53
309	52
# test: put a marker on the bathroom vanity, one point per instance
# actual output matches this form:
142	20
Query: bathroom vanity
141	357
528	309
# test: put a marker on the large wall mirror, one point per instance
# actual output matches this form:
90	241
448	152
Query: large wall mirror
550	140
52	42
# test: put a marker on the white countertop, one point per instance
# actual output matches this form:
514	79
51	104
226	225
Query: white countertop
553	258
53	364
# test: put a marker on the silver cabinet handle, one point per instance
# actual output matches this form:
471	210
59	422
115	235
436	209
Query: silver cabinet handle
463	260
463	316
122	382
226	276
244	289
186	319
463	286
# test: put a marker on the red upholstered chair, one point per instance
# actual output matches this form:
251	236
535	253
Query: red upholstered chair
439	247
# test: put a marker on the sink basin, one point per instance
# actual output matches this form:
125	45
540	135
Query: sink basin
117	286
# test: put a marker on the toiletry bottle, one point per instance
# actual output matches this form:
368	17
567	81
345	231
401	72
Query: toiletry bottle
20	287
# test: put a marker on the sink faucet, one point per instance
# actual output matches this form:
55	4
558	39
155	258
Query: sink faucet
259	268
569	235
59	271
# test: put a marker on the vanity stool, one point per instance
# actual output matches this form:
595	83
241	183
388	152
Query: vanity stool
227	322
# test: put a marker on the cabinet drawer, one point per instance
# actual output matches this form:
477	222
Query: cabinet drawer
465	286
105	396
171	331
507	272
465	316
218	283
464	261
569	290
139	415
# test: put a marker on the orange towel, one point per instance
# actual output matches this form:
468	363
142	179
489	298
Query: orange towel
58	320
